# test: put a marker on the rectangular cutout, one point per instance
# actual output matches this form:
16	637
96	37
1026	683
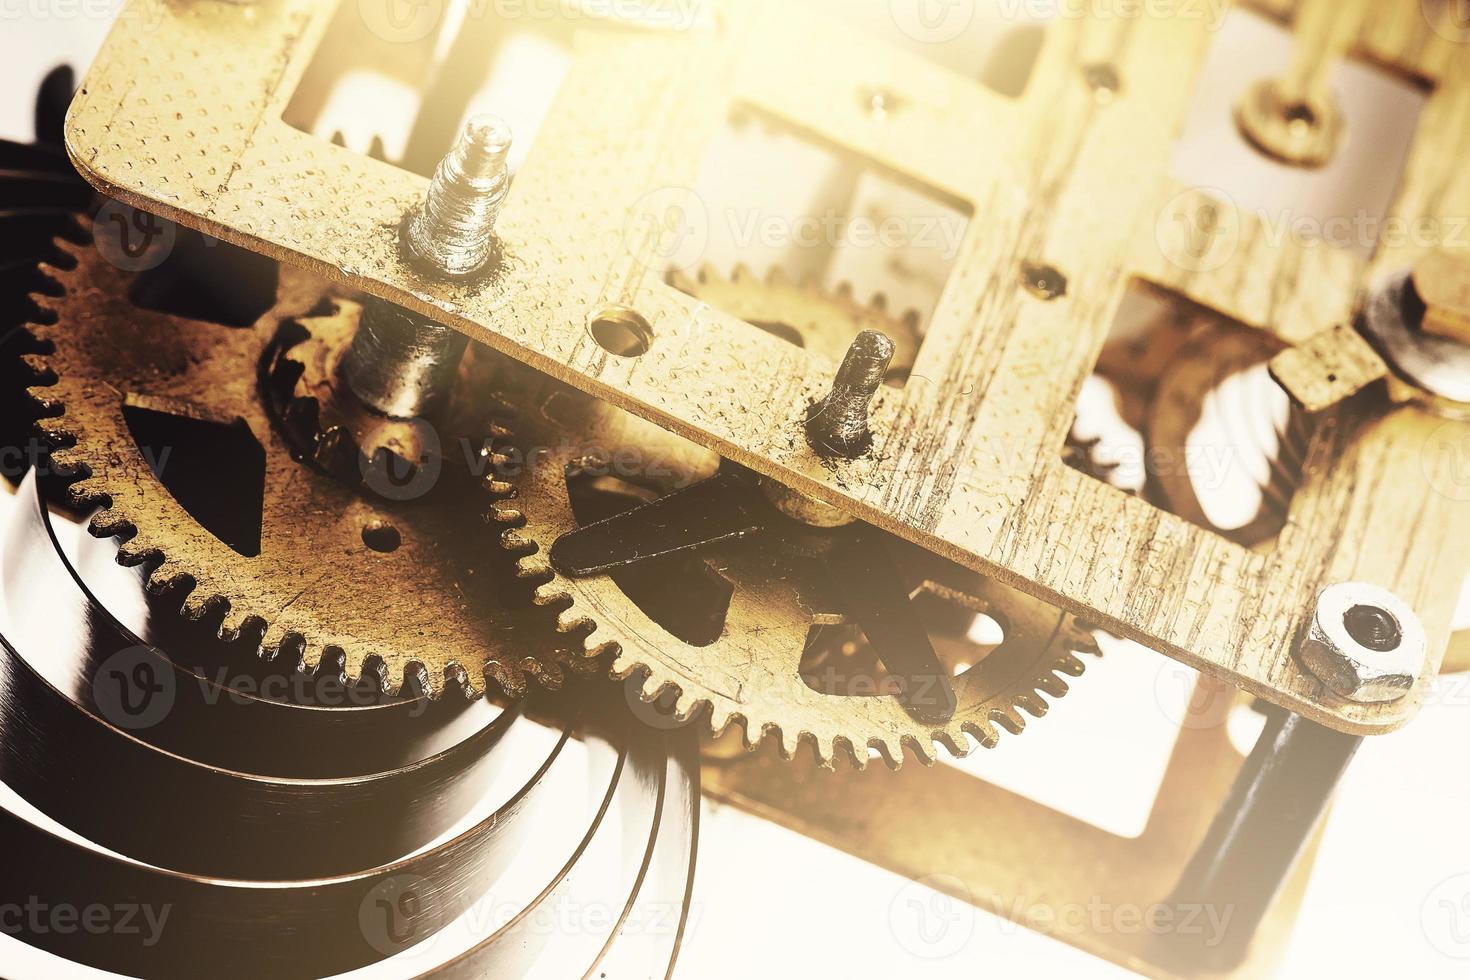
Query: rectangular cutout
815	244
1182	411
402	90
1344	203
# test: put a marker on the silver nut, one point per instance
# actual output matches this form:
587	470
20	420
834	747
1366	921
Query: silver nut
1364	643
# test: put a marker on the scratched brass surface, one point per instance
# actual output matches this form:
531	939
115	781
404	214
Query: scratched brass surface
182	111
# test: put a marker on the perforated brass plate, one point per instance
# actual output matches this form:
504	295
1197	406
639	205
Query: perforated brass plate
182	114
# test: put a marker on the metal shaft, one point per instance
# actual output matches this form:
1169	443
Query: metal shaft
838	425
1274	806
402	364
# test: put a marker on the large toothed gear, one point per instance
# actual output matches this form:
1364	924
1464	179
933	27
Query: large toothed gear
758	622
395	589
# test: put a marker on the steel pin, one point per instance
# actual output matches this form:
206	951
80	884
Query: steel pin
838	424
400	363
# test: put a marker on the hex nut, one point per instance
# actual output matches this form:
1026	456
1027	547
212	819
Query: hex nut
1364	643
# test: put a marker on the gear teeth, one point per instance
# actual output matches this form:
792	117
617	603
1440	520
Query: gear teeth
168	575
39	368
844	747
597	642
137	550
984	734
513	540
569	620
106	523
1032	704
1052	685
508	677
1070	665
1009	718
233	625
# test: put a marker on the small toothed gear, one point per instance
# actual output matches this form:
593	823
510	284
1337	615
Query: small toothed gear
723	603
162	422
805	313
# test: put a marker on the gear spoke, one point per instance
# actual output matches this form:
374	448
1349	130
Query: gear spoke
718	509
874	596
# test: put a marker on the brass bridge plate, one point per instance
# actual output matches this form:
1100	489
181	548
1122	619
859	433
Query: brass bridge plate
182	115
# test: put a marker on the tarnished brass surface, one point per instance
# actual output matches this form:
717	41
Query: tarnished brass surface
967	461
750	672
429	603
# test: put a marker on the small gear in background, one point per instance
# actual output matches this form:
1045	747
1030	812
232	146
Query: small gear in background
805	314
1182	411
151	387
726	594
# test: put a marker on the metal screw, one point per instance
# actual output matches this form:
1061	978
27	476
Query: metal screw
1364	643
1394	321
453	233
838	424
400	363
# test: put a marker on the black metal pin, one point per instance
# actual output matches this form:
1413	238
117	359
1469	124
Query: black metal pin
838	424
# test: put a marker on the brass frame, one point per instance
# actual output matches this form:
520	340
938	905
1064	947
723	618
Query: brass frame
922	823
181	114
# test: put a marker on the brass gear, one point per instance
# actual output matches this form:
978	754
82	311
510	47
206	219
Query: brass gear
395	588
779	628
804	312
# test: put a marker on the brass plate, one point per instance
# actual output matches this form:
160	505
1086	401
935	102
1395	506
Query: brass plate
182	114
